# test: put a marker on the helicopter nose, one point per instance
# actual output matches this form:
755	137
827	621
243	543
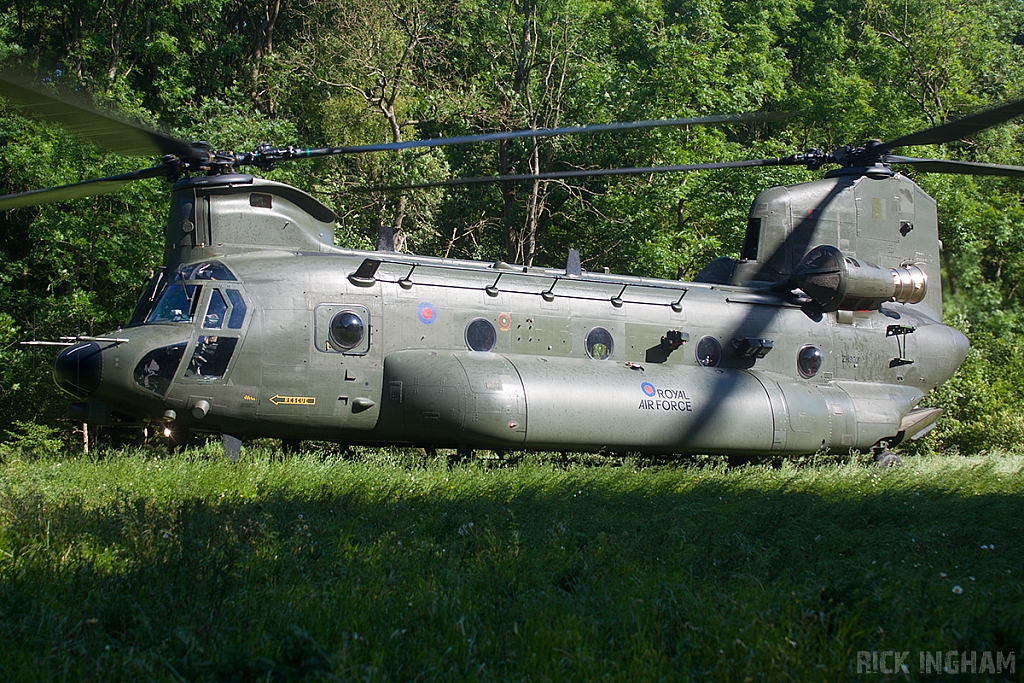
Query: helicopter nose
78	369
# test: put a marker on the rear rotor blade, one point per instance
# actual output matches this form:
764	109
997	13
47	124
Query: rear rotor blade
551	132
87	188
130	139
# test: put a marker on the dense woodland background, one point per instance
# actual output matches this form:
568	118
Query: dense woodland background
313	72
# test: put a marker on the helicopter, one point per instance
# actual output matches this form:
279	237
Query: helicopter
824	335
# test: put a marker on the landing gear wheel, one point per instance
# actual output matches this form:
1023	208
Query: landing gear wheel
888	459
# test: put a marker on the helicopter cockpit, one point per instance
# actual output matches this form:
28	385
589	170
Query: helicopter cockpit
175	301
178	300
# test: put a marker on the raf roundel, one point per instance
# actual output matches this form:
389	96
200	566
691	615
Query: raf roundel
647	388
427	313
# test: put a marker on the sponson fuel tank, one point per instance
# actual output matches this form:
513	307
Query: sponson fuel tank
484	400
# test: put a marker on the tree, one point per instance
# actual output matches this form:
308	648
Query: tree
376	60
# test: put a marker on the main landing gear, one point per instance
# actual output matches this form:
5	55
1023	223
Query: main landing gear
884	457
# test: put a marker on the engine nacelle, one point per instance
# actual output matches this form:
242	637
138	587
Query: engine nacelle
837	282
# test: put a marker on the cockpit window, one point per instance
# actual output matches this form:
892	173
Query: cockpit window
238	309
156	369
171	300
177	304
211	356
214	318
209	270
149	297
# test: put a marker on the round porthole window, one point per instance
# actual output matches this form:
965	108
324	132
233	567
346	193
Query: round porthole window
709	352
599	343
808	361
347	330
480	335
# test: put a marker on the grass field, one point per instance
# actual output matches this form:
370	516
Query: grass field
132	565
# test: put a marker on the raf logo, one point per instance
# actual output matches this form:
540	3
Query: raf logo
664	399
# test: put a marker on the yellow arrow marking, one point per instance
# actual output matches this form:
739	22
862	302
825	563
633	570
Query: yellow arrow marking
293	400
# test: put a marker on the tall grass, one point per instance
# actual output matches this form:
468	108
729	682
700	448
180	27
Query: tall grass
391	566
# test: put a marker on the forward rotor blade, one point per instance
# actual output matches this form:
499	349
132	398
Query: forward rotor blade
86	188
550	132
130	139
962	128
560	175
958	167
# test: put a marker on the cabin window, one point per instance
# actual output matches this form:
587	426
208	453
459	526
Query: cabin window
709	352
214	318
261	201
600	344
156	369
347	330
211	357
339	328
480	335
808	361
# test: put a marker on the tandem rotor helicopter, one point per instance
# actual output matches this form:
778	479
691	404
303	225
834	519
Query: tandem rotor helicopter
825	334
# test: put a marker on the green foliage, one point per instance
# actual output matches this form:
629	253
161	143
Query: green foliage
982	404
33	440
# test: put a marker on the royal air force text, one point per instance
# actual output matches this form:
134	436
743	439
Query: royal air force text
667	399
